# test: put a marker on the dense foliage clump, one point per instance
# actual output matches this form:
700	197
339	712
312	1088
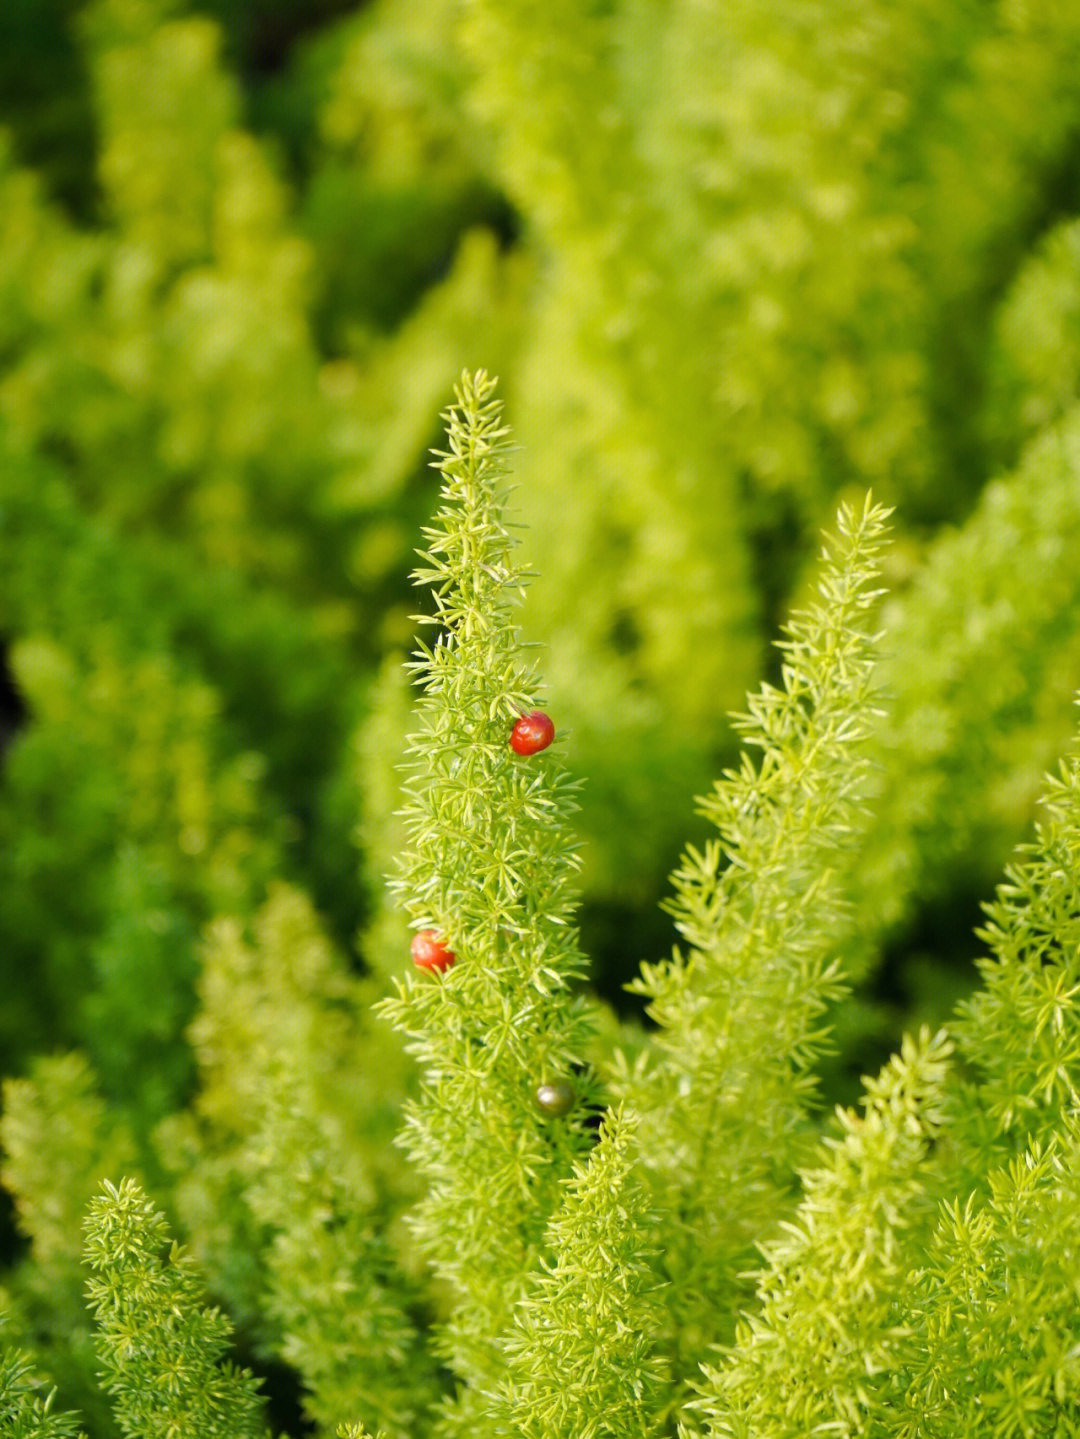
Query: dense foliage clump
751	273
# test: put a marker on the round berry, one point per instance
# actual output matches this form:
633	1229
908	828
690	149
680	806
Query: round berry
429	950
532	733
556	1099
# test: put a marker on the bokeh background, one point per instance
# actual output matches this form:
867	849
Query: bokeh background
734	263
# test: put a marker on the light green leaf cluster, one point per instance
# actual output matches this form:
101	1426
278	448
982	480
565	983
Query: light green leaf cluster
976	663
648	592
1021	1030
927	1287
725	1085
132	745
177	358
820	203
276	999
24	1412
769	274
158	87
158	1343
820	1353
922	1287
857	171
798	118
581	1359
202	317
335	1291
286	1180
993	1339
59	1141
195	816
489	865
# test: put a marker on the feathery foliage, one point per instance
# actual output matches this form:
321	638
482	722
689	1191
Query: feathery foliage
288	1177
1023	1028
158	1343
580	1357
991	1341
915	1275
60	1142
726	1084
24	1412
739	264
927	1285
489	865
821	1351
977	650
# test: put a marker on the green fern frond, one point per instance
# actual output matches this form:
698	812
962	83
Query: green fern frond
489	865
724	1089
1021	1031
297	1106
161	1348
25	1413
581	1360
827	1347
993	1340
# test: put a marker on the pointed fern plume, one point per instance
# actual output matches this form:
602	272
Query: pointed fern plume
994	1320
724	1090
580	1355
825	1349
927	1288
59	1140
995	1335
489	865
159	1344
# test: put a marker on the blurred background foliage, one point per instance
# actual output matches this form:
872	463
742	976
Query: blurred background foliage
734	262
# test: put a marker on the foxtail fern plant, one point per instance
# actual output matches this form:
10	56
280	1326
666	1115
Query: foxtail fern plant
161	1347
489	866
721	1095
581	1356
927	1284
712	1258
725	1088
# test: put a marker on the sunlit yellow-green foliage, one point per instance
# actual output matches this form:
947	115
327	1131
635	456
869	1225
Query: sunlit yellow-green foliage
736	264
284	1172
60	1142
981	658
731	261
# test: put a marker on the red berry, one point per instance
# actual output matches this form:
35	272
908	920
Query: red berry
429	950
532	733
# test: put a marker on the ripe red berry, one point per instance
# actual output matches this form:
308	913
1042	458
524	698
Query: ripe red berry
532	733
430	952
